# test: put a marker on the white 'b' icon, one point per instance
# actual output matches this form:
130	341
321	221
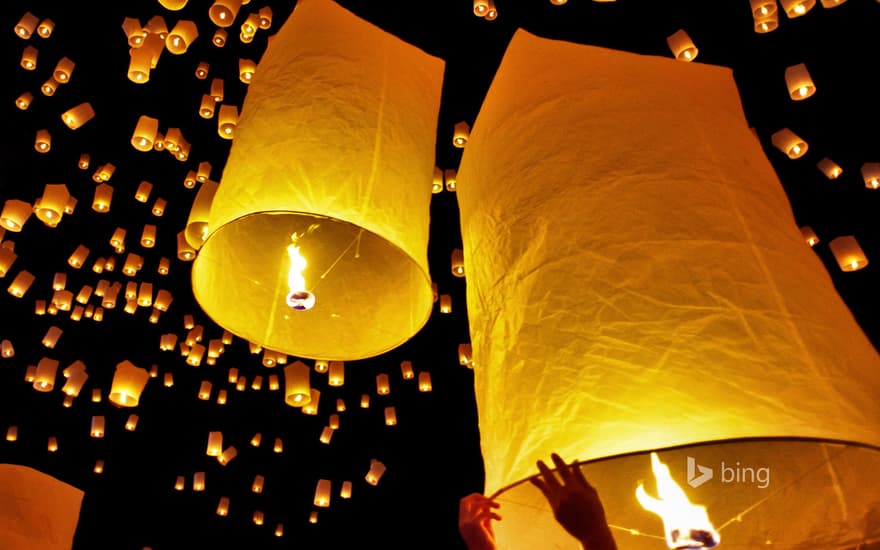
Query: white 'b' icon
695	480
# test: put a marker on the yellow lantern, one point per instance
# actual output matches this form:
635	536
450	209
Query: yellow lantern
390	416
103	196
246	70
78	258
145	133
219	38
15	214
7	258
251	25
365	401
128	383
326	435
44	376
99	467
148	236
258	517
322	493
297	392
227	455
407	370
227	120
77	116
206	107
481	7
279	530
789	143
278	447
97	426
871	174
197	224
449	176
345	491
75	382
848	253
49	87
445	303
202	70
336	374
24	100
217	89
425	381
377	470
29	58
181	37
21	284
382	385
762	8
51	337
12	433
460	134
767	23
198	481
52	445
204	388
296	217
223	506
143	191
830	168
633	342
159	207
800	85
43	141
49	208
311	408
224	12
796	8
458	262
26	25
63	70
6	349
437	181
265	14
682	46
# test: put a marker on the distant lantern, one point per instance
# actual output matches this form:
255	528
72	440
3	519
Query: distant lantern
26	25
7	258
50	339
159	207
326	435
762	8
227	120
29	58
278	447
194	359
21	284
796	8
15	214
99	467
832	3
279	530
445	303
197	224
143	191
265	14
449	176
12	433
460	134
217	89
205	390
767	23
50	206
257	383
311	408
168	380
458	262
181	37
313	516
256	440
382	385
185	252
43	141
390	416
148	236
133	264
425	381
800	85
45	28
789	143
246	70
336	373
49	87
44	376
97	426
377	469
296	383
481	7
322	493
227	455
365	401
258	517
333	421
199	481
134	32
830	168
163	300
257	485
682	46
871	174
78	257
219	38
336	234
6	349
345	491
204	171
145	294
221	397
132	422
77	116
223	506
179	483
437	181
848	253
103	196
273	382
52	445
406	370
144	133
321	366
206	107
63	70
24	100
251	24
223	12
128	383
139	65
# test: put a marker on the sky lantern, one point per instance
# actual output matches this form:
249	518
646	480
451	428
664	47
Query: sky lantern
128	383
317	259
635	328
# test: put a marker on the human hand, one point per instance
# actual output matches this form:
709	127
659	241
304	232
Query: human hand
475	517
575	503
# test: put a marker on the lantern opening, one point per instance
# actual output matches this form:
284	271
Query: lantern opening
686	525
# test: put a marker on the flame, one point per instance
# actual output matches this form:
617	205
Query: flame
295	280
686	525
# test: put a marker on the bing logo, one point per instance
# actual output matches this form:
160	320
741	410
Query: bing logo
698	474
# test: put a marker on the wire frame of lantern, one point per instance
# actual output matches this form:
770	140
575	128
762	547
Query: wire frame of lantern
632	333
333	233
800	84
848	253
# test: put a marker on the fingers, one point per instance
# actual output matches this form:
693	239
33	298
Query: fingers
564	469
550	481
536	481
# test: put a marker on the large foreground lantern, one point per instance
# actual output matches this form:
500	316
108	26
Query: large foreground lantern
317	236
637	283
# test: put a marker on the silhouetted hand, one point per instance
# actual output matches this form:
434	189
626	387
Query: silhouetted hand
475	517
575	504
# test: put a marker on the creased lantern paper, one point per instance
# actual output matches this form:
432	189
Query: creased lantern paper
336	144
36	510
636	281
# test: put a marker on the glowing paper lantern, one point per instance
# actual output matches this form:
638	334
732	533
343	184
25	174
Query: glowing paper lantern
223	12
21	283
763	8
181	37
29	58
425	381
296	384
63	70
103	197
26	25
637	347
848	253
145	133
377	469
128	383
796	8
97	426
7	258
43	141
227	120
809	235
789	143
682	46
44	377
800	85
369	226
77	116
830	168
24	100
871	174
15	214
460	134
197	225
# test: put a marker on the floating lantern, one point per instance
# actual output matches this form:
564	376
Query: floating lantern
682	46
246	70
63	70
278	446
382	385
43	141
6	349
336	373
144	133
7	258
52	336
345	491
159	207
227	120
437	181
77	116
445	303
24	100
638	354
21	283
26	25
52	445
197	224
326	435
425	381
449	176
202	70
99	467
78	258
322	493
311	408
103	196
481	7
49	87
128	383
871	174
97	426
830	168
763	8
227	455
15	214
219	38
800	85
460	134
29	58
789	143
181	37
224	12
365	401
406	370
796	8
131	423
328	227
377	469
204	389
44	376
848	253
223	506
199	481
296	383
390	416
265	14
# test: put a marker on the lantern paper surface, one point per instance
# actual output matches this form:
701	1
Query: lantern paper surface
349	174
643	285
36	510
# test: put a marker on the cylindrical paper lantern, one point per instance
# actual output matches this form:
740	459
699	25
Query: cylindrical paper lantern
181	37
159	207
296	384
311	408
365	401
728	342
246	70
227	455
128	383
29	58
458	262
144	133
224	12
383	387
131	423
205	389
278	222
79	115
809	235
406	370
265	14
322	493
6	349
848	253
103	196
97	426
326	435
377	469
830	168
15	214
51	337
49	87
796	8
450	177
199	481
44	376
336	373
219	38
7	258
345	491
21	283
63	70
800	85
460	134
202	70
425	381
78	257
481	7
390	416
206	107
43	141
197	224
789	143
682	46
871	174
763	8
143	191
278	446
24	100
52	445
227	120
26	25
223	506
